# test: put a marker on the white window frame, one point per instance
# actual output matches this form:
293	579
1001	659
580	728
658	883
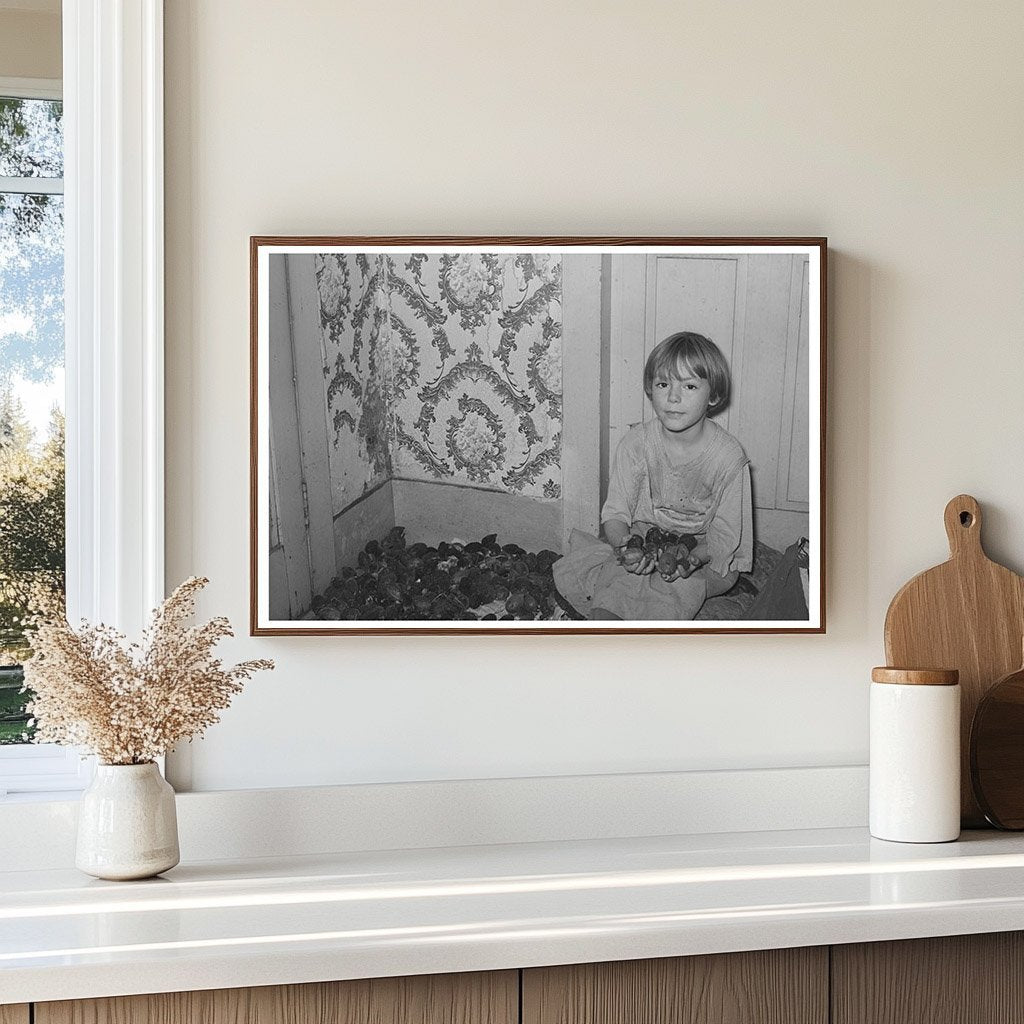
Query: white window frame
114	349
31	89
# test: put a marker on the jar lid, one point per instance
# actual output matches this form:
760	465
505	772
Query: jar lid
916	676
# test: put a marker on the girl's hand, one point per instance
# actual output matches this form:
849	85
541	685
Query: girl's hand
630	558
691	565
616	533
634	560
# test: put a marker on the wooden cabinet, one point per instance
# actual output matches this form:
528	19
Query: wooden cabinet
775	986
491	998
961	979
967	979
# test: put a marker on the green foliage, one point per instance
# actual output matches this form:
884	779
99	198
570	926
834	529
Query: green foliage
32	507
31	543
14	727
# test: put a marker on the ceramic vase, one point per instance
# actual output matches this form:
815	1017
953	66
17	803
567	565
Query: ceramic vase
127	825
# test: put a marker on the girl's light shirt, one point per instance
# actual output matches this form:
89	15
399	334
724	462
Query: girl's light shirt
708	496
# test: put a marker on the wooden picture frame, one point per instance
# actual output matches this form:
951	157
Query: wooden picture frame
437	425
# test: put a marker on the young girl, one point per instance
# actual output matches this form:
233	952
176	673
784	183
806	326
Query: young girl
680	472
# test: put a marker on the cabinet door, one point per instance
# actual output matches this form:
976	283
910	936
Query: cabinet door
961	979
484	998
14	1014
778	986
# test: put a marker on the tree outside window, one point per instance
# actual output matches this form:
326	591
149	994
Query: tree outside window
31	385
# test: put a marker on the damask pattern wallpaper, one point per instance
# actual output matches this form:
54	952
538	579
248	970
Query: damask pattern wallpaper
353	317
444	367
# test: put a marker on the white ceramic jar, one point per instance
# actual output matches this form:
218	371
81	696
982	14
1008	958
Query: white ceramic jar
127	823
915	755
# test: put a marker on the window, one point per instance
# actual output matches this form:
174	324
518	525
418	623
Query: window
113	311
32	533
31	380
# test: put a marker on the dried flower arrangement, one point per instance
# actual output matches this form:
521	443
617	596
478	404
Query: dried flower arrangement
129	704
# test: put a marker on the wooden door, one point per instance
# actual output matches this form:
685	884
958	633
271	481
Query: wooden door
755	308
960	979
309	359
302	555
14	1014
655	298
290	581
480	998
792	486
779	986
705	294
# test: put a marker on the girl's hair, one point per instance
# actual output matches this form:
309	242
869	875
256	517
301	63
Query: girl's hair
698	355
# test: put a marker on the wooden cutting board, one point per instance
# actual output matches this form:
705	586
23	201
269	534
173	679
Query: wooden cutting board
967	614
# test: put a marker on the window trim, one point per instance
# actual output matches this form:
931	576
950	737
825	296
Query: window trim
31	186
43	768
113	169
114	346
32	88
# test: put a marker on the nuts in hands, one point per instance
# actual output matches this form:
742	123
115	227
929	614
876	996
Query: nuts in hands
668	561
668	553
631	557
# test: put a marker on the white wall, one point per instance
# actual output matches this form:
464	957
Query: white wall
895	129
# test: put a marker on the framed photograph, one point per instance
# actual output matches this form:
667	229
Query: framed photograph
537	435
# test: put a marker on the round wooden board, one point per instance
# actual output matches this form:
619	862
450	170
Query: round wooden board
997	752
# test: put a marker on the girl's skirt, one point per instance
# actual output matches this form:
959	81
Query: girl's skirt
591	579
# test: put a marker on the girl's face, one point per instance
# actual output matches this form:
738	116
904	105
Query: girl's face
680	400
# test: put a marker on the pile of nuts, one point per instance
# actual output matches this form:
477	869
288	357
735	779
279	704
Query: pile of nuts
417	582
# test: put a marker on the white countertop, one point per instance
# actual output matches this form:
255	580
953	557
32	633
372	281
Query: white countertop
355	915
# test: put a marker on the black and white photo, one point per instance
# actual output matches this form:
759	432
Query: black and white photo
537	435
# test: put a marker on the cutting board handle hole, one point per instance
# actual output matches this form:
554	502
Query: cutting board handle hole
966	519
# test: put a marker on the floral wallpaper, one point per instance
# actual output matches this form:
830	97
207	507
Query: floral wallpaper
444	367
353	318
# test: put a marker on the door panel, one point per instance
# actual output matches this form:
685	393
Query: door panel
760	371
794	448
961	979
286	456
308	359
780	986
754	307
697	294
480	998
